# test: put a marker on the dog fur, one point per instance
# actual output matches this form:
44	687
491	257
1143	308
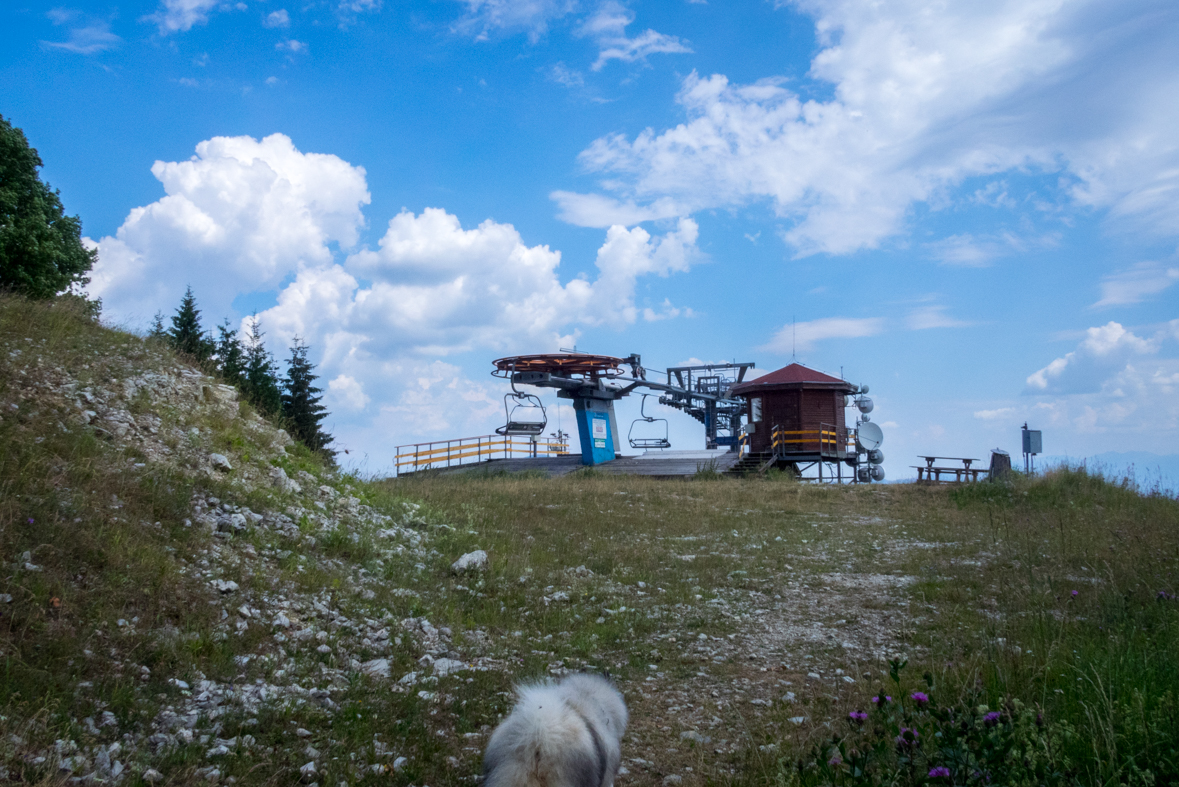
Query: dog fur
563	734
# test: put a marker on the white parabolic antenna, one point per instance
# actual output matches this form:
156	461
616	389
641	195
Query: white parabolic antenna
869	436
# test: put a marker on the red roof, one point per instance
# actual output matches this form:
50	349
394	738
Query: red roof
794	373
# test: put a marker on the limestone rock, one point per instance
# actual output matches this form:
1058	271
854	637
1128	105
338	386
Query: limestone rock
472	561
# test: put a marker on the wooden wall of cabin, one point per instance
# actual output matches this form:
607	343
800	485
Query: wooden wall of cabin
795	410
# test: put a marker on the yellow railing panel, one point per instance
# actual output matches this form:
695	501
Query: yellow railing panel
446	453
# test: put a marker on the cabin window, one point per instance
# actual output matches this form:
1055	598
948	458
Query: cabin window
755	410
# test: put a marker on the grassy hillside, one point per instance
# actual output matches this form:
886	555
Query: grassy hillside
189	597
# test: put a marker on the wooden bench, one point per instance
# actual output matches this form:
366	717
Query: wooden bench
933	474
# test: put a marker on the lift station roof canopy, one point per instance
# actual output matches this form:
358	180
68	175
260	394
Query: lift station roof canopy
790	376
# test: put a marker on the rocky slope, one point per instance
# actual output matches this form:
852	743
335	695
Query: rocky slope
281	576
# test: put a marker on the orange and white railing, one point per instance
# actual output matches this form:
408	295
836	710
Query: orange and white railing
827	440
468	450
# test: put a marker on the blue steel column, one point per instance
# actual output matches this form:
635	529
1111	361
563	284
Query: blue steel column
593	428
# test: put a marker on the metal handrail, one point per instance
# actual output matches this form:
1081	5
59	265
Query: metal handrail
465	450
828	437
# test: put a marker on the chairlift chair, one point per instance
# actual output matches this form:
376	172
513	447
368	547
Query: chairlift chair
647	442
525	417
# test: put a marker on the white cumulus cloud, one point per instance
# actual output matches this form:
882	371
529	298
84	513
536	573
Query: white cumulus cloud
346	393
1117	382
1105	350
239	216
925	96
435	288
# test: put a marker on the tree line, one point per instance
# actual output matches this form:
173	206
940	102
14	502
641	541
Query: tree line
42	257
246	364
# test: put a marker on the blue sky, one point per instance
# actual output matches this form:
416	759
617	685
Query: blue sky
973	209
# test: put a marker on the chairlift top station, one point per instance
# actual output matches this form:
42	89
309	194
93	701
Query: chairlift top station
792	418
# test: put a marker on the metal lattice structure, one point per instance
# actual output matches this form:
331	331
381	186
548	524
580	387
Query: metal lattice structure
705	393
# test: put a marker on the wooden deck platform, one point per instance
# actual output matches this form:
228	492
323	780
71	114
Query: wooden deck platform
656	464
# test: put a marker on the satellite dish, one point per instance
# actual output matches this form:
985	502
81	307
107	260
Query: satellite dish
876	456
863	388
865	404
864	474
877	473
869	436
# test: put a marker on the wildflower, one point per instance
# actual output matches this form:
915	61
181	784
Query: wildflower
907	739
881	699
30	520
940	772
858	716
920	697
836	760
1074	594
991	719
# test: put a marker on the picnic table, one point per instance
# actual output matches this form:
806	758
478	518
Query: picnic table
931	472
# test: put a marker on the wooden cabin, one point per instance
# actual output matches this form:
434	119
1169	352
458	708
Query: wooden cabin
797	411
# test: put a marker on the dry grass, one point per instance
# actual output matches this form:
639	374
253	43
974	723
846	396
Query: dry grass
742	618
974	585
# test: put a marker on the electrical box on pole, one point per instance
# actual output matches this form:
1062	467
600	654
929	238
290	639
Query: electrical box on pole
1033	443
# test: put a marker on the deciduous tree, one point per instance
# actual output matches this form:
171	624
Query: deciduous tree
41	251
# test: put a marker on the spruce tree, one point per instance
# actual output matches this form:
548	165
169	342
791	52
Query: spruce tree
300	403
186	333
231	356
157	330
261	372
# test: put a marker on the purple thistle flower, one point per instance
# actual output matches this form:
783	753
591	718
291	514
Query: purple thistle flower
991	719
881	700
858	716
940	772
1074	594
30	520
920	697
907	739
836	760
